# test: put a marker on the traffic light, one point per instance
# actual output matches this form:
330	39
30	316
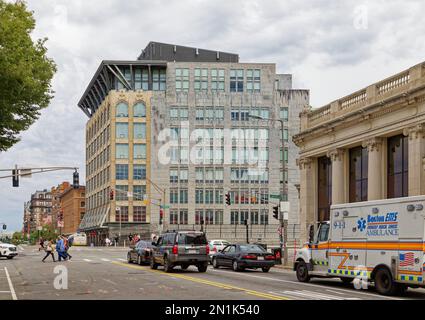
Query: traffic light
15	178
4	227
76	180
161	215
228	199
111	195
245	222
276	212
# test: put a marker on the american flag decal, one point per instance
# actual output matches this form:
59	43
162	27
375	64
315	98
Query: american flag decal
407	259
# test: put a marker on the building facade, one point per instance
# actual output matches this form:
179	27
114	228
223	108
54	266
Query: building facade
56	203
367	146
73	206
171	133
41	208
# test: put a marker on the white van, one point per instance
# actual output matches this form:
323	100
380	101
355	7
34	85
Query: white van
379	241
78	239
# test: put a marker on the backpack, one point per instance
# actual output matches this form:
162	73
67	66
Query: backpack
70	242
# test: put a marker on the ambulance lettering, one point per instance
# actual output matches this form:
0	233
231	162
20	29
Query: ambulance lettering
379	226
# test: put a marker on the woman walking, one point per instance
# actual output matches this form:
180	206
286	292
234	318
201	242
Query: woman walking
49	251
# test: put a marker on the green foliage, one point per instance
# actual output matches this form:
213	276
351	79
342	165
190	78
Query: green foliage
47	233
26	73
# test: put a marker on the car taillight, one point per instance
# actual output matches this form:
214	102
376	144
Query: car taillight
214	249
208	249
175	249
270	258
249	257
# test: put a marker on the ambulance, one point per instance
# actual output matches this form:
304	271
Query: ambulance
380	242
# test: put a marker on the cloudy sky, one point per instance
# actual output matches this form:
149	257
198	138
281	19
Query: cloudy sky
331	47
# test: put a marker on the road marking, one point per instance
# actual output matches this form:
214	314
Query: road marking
106	260
120	259
316	295
12	290
313	285
87	260
207	282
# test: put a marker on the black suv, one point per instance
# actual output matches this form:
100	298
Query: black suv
181	248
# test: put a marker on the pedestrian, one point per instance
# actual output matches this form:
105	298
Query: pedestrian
117	238
107	242
41	243
60	249
66	245
49	249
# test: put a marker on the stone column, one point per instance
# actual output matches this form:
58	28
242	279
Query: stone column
338	175
307	196
374	178
416	159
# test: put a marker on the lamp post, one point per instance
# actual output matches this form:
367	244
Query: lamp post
283	222
118	210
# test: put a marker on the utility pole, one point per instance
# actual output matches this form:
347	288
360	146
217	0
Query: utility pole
247	230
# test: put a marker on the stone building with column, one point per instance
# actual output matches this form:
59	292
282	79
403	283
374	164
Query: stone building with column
366	146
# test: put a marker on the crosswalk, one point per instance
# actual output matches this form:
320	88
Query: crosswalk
314	295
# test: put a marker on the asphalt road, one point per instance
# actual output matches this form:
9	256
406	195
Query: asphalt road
103	273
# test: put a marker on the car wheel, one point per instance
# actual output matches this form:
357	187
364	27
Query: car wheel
302	272
11	257
139	260
153	265
347	280
235	266
266	269
167	265
384	283
215	263
129	258
184	266
203	267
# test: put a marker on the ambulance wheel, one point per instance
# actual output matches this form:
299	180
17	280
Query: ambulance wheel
302	272
384	283
346	280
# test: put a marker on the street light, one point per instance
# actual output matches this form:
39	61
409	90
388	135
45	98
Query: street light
283	222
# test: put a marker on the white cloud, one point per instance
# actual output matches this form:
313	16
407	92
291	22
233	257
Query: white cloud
315	40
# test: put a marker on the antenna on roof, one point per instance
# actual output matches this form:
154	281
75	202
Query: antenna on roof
175	49
197	52
218	55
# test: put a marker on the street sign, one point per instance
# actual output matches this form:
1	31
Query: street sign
284	206
275	196
165	207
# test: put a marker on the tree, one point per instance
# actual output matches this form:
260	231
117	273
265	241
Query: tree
26	73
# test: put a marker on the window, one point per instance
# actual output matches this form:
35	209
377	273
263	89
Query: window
324	188
285	155
127	75
139	214
139	110
174	217
199	113
398	167
358	174
139	151
183	196
199	216
323	233
174	175
199	196
219	196
284	114
201	79
183	217
121	193
236	80
184	175
182	79
159	79
121	214
139	172
254	216
121	172
122	110
184	113
121	130
209	175
121	151
199	175
285	134
141	79
209	196
217	79
264	217
234	115
174	113
139	130
139	192
209	217
174	196
253	80
234	217
218	217
218	173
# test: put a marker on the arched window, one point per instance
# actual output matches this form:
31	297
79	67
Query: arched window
139	110
122	110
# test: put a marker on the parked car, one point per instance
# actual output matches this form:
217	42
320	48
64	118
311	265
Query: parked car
181	248
8	250
140	253
216	246
244	256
